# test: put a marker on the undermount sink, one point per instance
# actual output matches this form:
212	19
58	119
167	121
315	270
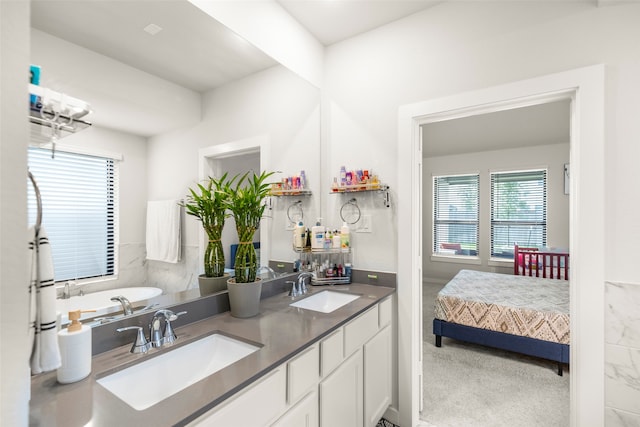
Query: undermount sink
153	380
325	301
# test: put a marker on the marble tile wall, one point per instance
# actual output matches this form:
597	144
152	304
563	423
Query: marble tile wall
622	354
175	277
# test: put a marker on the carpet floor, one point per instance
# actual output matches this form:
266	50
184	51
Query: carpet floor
471	385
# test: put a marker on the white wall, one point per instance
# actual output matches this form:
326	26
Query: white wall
14	346
122	97
456	47
551	157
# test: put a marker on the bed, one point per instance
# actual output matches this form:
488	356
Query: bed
520	313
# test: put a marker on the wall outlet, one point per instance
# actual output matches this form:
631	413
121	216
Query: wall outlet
364	225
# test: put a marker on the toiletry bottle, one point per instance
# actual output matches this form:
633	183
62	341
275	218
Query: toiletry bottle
335	242
75	350
303	180
298	236
343	176
317	236
344	237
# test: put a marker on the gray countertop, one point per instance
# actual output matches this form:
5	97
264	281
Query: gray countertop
281	330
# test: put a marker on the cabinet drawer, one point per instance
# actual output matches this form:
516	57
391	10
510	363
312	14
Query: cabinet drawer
360	330
331	352
302	373
266	398
384	313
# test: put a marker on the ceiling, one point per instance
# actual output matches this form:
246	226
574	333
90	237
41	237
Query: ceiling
542	124
192	49
331	21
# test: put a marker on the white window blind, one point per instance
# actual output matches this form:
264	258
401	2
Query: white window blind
518	211
456	213
79	211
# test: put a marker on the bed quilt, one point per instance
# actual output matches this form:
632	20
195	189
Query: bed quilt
518	305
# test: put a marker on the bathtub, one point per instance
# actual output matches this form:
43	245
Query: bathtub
101	302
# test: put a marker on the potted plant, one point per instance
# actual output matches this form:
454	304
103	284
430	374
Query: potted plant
246	203
208	204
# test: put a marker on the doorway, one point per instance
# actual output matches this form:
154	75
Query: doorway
236	157
475	147
585	87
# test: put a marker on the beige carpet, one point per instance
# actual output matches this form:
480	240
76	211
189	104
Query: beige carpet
470	385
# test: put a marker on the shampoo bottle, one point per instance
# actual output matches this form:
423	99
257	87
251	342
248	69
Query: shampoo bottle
299	236
75	350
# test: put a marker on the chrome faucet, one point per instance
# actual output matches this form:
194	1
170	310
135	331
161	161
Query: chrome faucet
301	289
140	345
126	305
157	336
66	292
301	281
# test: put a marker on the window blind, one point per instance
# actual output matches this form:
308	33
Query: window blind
456	213
518	211
79	211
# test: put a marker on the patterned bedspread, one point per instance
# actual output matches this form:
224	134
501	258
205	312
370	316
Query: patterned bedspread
519	305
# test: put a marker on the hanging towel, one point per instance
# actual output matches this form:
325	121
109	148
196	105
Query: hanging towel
163	231
43	331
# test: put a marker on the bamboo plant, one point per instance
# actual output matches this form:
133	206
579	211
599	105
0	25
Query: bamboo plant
246	204
209	205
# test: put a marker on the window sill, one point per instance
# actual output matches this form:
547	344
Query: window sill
500	262
456	259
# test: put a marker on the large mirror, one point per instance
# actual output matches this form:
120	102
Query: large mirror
167	82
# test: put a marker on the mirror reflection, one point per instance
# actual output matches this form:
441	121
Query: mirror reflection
165	88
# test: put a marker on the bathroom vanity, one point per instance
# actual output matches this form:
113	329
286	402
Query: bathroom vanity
312	368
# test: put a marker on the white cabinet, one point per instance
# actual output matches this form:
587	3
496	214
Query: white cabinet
344	380
377	376
303	413
341	395
256	405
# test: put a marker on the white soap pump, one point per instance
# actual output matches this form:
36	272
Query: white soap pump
75	350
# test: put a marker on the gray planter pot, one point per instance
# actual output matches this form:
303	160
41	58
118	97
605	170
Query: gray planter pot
244	298
211	285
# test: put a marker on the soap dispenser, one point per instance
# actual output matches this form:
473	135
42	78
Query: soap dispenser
75	350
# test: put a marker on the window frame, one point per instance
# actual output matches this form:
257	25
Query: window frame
470	258
112	220
543	222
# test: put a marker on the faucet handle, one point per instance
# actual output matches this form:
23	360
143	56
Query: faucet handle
294	290
169	336
140	345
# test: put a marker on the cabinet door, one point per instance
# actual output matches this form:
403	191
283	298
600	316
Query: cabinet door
341	395
303	414
257	405
377	376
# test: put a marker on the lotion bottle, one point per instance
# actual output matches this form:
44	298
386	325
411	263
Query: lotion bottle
75	350
317	236
344	237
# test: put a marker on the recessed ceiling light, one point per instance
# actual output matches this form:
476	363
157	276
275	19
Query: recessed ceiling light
153	29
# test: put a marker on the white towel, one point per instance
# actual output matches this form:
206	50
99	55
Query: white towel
43	331
163	231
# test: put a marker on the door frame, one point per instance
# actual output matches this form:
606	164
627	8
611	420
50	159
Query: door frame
586	87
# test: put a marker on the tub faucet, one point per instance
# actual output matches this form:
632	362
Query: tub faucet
66	292
126	305
157	336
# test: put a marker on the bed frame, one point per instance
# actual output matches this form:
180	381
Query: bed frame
530	346
527	262
536	263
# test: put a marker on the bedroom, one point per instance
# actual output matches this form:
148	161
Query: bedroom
515	140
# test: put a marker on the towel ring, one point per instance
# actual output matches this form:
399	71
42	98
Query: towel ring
350	212
295	212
